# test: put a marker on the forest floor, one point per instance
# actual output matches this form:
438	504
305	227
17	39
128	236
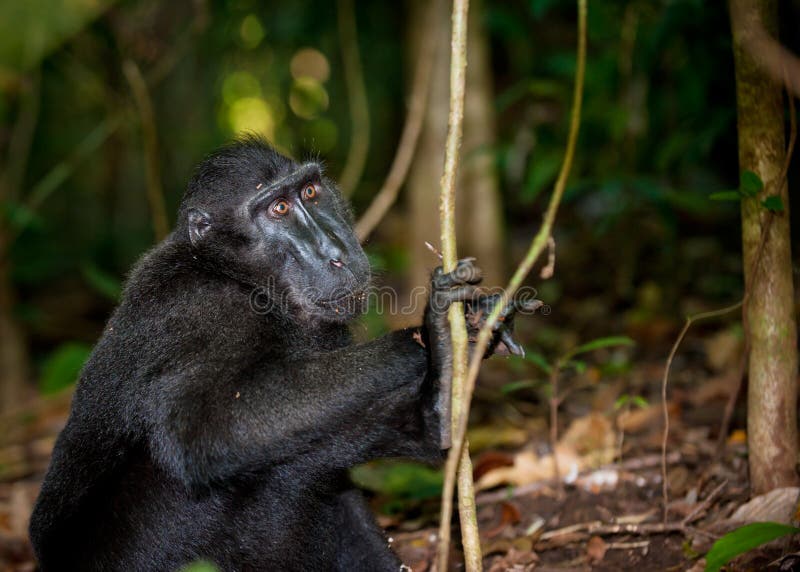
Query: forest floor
609	514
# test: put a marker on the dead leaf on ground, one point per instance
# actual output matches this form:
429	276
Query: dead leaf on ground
490	460
650	417
777	505
502	435
531	468
509	515
596	549
593	438
516	560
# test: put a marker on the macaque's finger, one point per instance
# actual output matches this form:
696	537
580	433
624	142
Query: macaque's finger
465	273
512	345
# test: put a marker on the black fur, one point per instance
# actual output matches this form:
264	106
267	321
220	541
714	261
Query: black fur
204	428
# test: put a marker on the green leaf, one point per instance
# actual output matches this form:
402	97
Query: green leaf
744	539
541	174
597	344
750	184
31	29
621	401
103	282
200	566
578	365
401	479
539	360
517	385
726	196
625	399
19	215
773	203
61	368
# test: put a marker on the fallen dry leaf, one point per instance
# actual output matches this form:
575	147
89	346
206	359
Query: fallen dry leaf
490	460
593	438
509	515
778	505
531	468
596	549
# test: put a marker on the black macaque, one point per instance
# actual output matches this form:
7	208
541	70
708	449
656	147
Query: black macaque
220	411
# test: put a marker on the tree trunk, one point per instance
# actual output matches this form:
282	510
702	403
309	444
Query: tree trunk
13	355
769	309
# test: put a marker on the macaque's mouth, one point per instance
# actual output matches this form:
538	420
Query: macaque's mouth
359	295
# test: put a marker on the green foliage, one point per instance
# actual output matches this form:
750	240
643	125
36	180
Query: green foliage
726	196
599	343
773	203
31	29
61	368
200	566
631	400
538	360
19	215
101	281
541	175
749	187
410	481
514	386
750	184
744	539
578	365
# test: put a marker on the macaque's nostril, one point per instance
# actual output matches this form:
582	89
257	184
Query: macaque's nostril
336	262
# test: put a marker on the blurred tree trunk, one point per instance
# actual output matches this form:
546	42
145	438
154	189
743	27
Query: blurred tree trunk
13	355
769	311
15	153
479	219
479	216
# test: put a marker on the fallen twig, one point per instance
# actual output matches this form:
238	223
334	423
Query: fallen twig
703	505
648	462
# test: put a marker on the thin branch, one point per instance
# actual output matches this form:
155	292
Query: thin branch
701	507
356	96
451	390
107	127
155	191
19	146
407	146
600	528
62	171
664	408
538	244
554	403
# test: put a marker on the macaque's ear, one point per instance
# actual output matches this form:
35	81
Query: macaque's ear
199	225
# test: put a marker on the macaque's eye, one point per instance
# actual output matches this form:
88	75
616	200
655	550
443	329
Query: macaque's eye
281	207
309	193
